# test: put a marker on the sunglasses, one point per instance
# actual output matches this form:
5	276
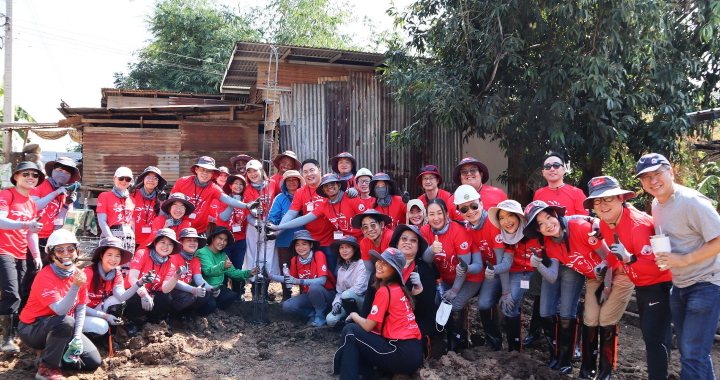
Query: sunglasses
598	201
466	209
63	250
407	239
429	168
33	174
465	172
556	165
125	179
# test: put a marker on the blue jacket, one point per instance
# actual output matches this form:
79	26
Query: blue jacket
280	206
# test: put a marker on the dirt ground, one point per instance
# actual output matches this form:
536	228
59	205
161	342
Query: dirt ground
227	345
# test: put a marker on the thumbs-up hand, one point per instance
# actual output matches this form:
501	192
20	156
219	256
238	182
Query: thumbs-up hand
535	259
618	249
437	246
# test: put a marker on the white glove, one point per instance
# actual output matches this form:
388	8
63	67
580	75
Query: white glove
215	292
111	319
182	270
147	302
336	309
450	294
489	273
461	268
535	261
60	191
351	193
618	249
415	279
38	262
34	225
198	291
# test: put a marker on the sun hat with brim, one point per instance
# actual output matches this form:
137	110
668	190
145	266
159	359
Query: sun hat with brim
328	178
177	197
227	188
531	212
429	169
152	169
66	163
254	164
111	242
223	169
649	163
334	162
347	239
605	186
394	190
508	205
190	232
27	165
356	221
206	162
240	157
289	154
470	161
395	239
392	256
170	234
303	235
292	174
222	230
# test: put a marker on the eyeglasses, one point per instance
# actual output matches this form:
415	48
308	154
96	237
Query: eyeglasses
598	201
466	209
33	174
154	179
556	165
406	239
179	207
367	227
124	179
364	182
330	184
465	172
70	249
428	177
652	175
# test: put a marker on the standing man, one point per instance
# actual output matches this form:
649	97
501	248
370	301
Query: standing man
429	179
362	184
345	166
239	162
691	222
557	193
474	173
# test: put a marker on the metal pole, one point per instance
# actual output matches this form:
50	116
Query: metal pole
8	109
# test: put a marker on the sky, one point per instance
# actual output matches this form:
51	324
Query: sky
69	49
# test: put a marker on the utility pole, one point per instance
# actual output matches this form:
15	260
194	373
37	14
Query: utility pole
8	109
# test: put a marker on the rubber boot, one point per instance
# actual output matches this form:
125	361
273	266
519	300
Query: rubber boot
133	327
452	338
535	329
8	343
349	305
566	344
550	330
238	286
513	328
577	355
608	347
286	293
493	337
588	368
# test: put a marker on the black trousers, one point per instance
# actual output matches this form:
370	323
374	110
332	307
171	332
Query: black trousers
360	351
653	303
52	334
184	301
226	298
31	272
12	274
161	306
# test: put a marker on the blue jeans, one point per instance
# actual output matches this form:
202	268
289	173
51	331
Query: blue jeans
695	312
491	292
331	260
565	292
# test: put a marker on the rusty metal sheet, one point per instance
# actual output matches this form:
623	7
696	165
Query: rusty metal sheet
98	169
122	140
206	137
338	117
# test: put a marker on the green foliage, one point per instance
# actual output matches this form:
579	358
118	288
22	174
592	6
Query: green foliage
710	184
313	23
583	77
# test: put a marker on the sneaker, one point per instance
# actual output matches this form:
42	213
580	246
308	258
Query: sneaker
45	373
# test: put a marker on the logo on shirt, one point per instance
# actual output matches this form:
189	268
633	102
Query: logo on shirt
47	293
464	245
374	310
22	214
592	240
324	268
498	238
646	250
361	207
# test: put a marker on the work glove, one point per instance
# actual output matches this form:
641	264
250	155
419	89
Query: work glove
38	262
215	292
507	303
602	294
415	279
535	261
198	291
71	198
337	309
618	249
254	204
489	272
148	278
147	302
288	279
182	270
257	212
461	268
595	228
405	197
34	225
111	319
270	235
60	191
351	193
272	227
600	270
450	294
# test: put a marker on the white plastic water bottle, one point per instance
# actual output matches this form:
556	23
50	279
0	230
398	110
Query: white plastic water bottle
286	272
85	204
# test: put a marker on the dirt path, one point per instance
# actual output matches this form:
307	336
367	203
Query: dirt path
227	345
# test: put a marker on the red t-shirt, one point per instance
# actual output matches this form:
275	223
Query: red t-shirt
366	245
49	213
456	242
21	208
486	240
277	178
193	268
200	197
142	262
144	215
306	201
105	290
491	196
522	254
250	194
340	215
400	320
634	230
316	268
582	256
366	204
568	196
119	212
237	223
48	289
159	223
448	199
397	211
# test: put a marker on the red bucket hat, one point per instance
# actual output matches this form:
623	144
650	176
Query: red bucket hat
428	169
469	160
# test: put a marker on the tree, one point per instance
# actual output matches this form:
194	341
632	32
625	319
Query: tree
191	45
587	78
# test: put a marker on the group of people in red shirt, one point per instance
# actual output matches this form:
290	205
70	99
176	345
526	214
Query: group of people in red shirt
363	254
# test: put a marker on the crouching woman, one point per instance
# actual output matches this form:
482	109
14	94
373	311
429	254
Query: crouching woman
388	338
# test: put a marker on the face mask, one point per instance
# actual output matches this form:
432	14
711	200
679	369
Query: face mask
381	192
59	177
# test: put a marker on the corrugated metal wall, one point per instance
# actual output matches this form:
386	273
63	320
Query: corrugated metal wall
357	116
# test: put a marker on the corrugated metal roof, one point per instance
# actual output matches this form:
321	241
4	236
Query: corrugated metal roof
107	92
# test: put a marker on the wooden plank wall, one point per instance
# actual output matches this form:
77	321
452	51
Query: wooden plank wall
293	73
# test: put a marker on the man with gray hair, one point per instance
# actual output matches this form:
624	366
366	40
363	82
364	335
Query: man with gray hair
692	225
